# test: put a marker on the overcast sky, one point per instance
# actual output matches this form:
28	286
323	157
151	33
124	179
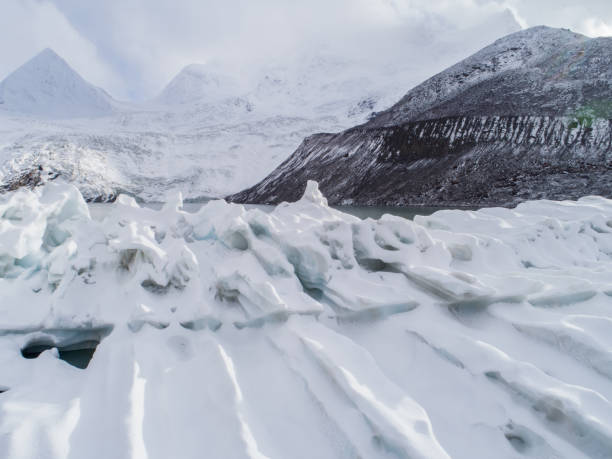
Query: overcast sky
132	48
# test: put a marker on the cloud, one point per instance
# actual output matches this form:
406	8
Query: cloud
134	47
149	41
595	27
589	17
516	15
29	26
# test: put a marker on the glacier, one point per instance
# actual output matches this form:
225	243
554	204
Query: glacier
304	332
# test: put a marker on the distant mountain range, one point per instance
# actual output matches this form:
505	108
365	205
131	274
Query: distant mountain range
215	129
527	117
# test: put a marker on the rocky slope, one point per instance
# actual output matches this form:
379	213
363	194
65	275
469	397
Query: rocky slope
527	117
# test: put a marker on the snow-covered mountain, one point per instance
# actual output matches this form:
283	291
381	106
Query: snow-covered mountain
47	86
198	83
540	70
526	117
219	127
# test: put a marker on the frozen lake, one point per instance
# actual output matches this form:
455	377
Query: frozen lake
98	210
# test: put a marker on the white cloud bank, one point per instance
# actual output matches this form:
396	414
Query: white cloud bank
595	27
133	47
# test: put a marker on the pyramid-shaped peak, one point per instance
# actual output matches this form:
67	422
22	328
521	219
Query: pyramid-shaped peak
194	68
46	85
199	82
48	53
46	61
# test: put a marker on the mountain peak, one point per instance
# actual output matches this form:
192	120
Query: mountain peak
542	32
46	60
199	82
46	85
48	53
197	69
509	55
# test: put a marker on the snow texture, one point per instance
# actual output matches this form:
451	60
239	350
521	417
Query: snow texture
305	332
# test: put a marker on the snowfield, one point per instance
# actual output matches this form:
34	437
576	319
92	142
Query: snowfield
304	332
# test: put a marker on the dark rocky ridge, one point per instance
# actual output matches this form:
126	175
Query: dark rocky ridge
450	161
525	118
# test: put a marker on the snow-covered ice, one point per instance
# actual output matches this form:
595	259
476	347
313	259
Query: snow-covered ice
304	332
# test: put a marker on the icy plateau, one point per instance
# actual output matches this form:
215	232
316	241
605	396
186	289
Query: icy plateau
304	332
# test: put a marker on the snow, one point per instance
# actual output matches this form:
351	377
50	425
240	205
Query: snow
46	86
198	83
305	332
523	50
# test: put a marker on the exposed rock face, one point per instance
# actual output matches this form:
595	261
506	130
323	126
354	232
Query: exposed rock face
463	160
525	118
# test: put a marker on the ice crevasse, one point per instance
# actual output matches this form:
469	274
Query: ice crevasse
304	332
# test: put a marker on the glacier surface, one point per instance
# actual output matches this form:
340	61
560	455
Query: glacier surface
304	332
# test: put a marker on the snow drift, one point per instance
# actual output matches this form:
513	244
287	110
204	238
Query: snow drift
305	332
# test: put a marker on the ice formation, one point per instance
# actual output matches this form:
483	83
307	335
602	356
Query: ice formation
305	332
